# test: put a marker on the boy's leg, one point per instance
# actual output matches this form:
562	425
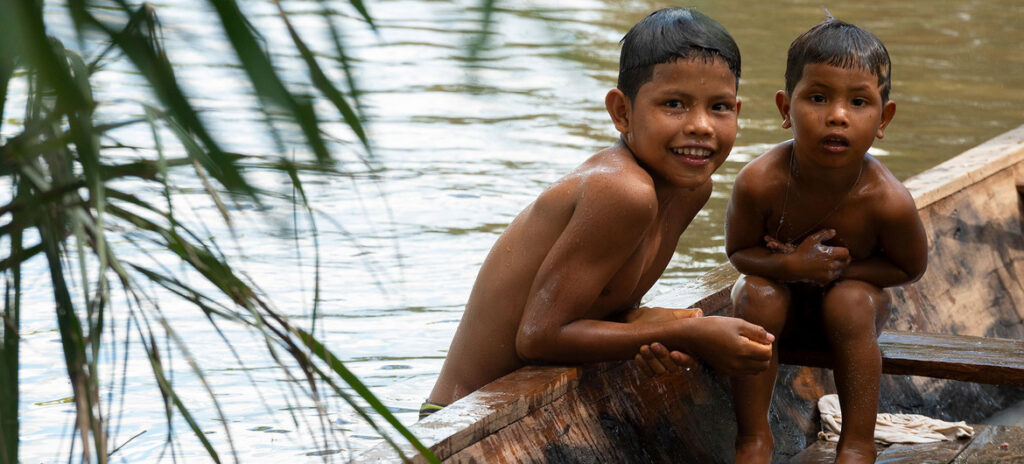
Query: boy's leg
766	303
853	313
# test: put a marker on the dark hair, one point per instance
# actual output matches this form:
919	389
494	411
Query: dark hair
841	44
670	34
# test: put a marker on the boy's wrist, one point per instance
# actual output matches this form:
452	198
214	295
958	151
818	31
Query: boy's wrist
686	333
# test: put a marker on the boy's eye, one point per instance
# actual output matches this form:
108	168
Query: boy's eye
674	104
860	101
721	107
818	98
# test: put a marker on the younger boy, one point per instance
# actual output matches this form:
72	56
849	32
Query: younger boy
819	228
564	281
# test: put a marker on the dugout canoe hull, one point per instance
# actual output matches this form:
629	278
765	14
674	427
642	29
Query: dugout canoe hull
972	209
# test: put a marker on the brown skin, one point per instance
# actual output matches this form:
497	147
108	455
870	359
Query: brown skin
836	268
564	281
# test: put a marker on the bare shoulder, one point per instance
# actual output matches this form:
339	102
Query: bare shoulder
612	178
767	173
886	193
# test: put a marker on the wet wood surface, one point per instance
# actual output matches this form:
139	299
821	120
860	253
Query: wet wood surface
618	414
482	413
996	361
971	207
997	443
990	444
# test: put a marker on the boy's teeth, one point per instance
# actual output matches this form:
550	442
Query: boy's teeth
701	152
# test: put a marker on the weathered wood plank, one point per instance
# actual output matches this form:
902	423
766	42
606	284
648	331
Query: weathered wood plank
968	168
993	361
820	452
942	452
988	442
617	414
824	452
483	412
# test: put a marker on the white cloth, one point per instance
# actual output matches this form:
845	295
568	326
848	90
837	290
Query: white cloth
892	428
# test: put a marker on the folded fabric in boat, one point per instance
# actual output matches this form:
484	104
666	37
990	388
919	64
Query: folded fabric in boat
892	428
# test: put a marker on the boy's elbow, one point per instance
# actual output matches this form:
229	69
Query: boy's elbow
531	346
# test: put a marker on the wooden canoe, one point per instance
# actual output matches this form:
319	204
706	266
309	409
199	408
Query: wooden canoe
963	320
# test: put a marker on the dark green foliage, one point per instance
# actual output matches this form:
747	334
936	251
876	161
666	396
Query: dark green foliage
64	196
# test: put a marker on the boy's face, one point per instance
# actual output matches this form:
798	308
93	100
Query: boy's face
683	122
835	113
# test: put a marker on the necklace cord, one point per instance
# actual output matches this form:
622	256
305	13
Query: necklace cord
785	201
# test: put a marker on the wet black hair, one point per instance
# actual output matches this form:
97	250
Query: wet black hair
841	44
670	34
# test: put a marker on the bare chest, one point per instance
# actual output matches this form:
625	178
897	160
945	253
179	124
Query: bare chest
855	226
642	269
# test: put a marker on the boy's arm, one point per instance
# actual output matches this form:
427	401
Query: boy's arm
903	242
607	225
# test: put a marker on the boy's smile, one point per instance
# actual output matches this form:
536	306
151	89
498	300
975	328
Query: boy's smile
683	122
835	111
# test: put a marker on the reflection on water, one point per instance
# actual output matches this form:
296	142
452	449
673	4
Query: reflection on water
460	148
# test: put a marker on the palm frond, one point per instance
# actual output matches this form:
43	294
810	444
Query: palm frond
66	169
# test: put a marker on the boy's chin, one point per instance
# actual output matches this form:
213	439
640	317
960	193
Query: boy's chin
690	181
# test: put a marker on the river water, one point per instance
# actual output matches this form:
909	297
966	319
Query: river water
460	147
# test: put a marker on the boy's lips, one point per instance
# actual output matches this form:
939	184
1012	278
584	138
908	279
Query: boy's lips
695	154
835	142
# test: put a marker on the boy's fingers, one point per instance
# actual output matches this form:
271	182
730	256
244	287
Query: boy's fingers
757	333
822	235
643	365
649	358
664	358
683	360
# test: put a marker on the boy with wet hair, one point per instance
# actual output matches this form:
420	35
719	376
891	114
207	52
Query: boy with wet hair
563	283
819	228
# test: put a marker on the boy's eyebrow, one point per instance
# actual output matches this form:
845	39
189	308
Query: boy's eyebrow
827	85
685	94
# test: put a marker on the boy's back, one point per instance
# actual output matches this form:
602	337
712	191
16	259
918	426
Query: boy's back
591	245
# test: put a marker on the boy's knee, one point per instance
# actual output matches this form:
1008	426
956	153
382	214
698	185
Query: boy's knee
855	305
760	300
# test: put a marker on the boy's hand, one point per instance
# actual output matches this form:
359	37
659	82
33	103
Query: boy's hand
775	246
655	359
818	263
733	346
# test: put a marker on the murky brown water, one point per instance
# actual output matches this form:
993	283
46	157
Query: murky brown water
462	147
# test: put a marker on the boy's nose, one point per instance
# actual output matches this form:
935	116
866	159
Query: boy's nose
699	124
837	116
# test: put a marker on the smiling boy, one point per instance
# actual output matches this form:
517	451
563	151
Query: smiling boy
564	281
819	228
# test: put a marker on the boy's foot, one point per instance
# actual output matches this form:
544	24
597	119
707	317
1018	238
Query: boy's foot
853	454
753	451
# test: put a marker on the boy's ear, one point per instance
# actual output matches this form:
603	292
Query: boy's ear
620	109
782	101
888	111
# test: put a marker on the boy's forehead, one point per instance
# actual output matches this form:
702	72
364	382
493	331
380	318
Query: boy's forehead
825	73
703	68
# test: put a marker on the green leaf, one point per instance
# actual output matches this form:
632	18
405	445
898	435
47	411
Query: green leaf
335	364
